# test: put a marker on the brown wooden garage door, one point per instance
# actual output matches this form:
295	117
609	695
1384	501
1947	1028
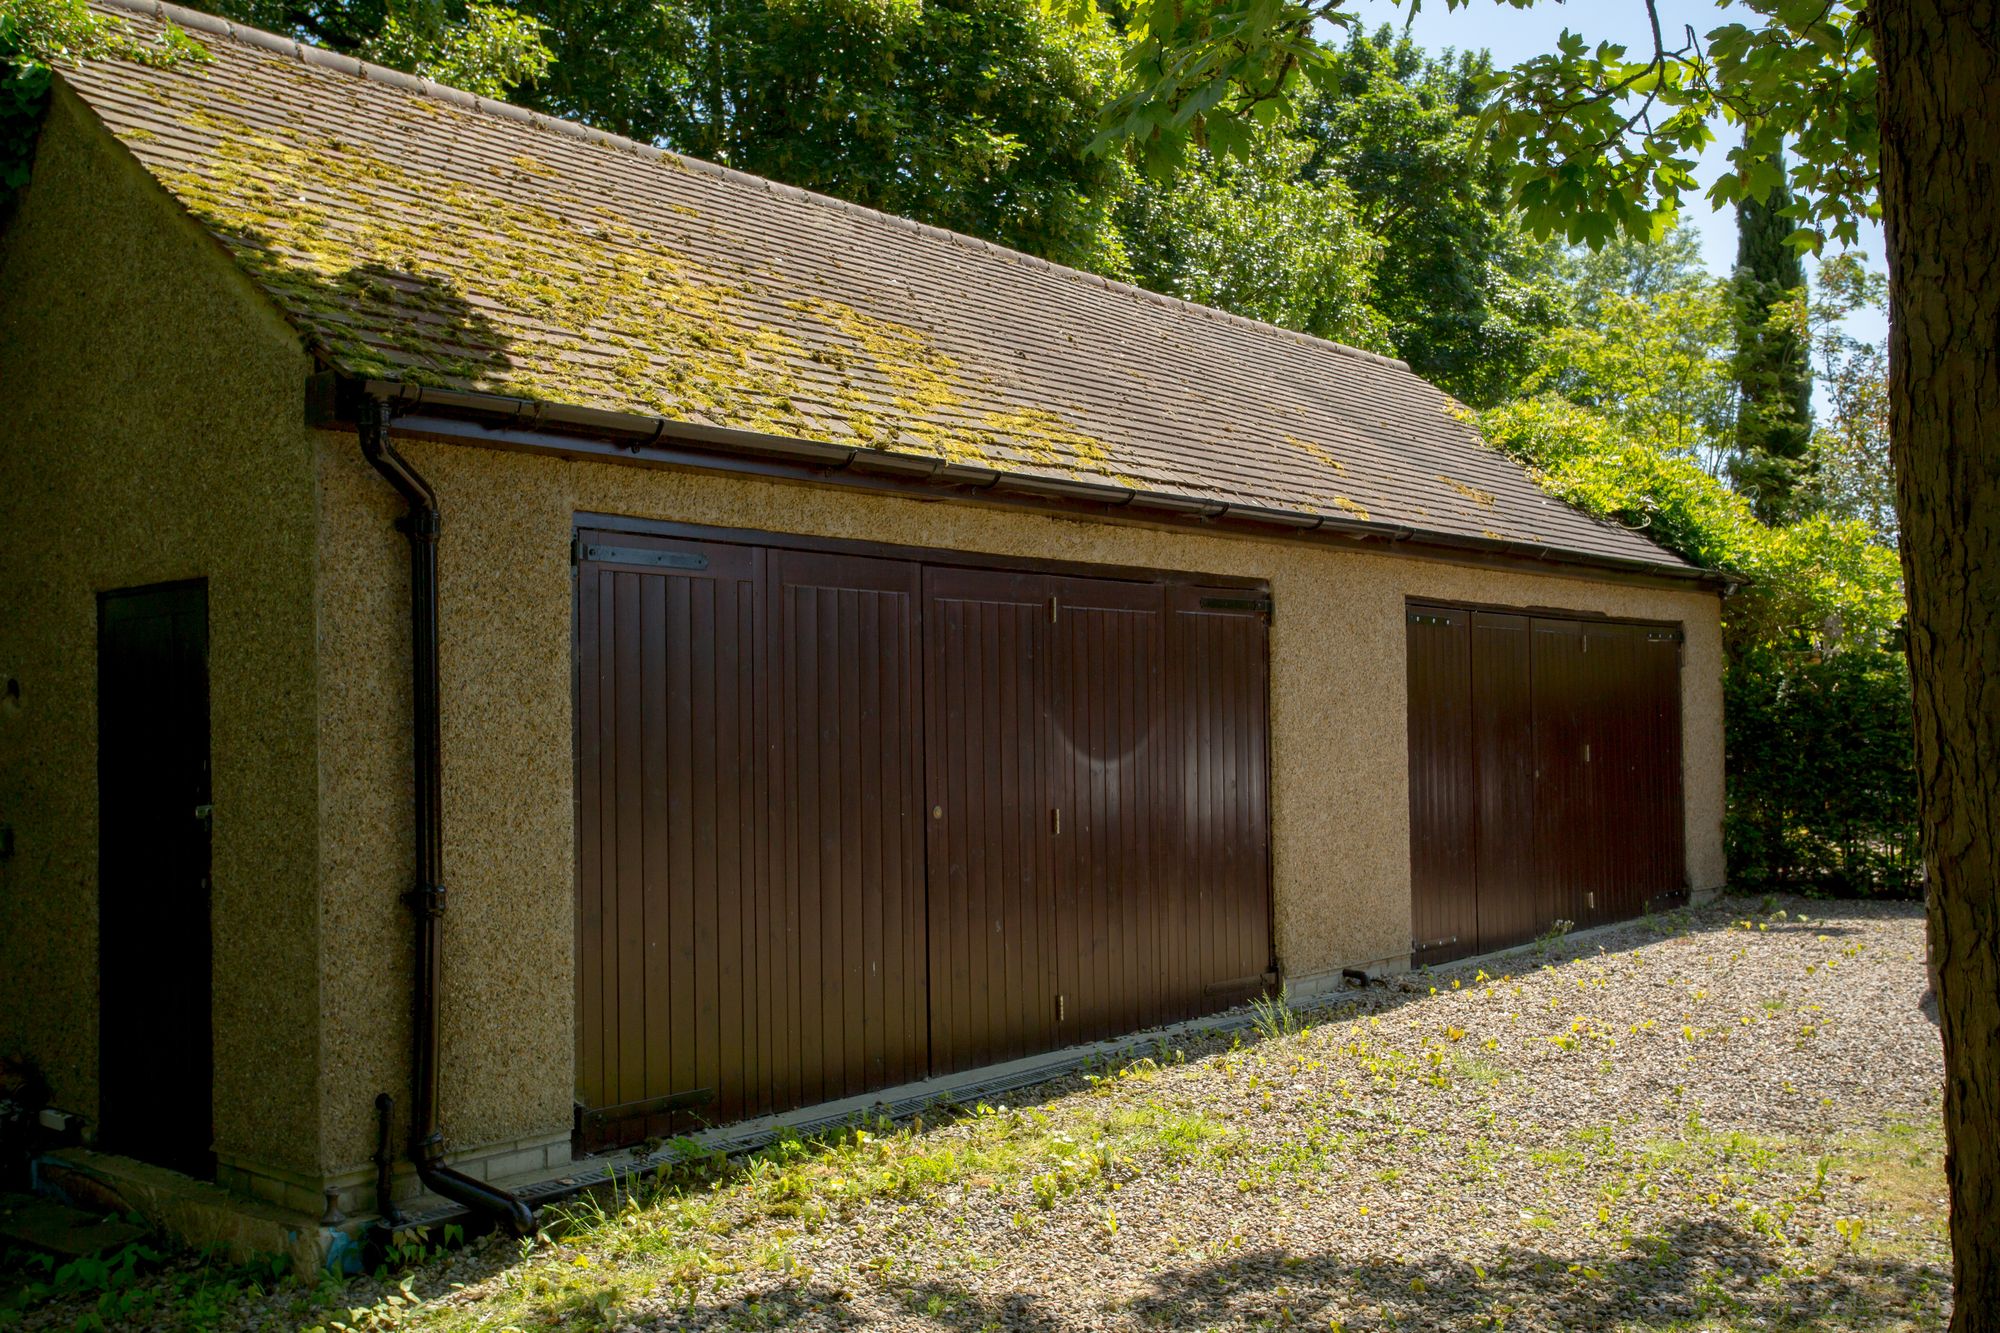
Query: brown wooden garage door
848	820
1545	775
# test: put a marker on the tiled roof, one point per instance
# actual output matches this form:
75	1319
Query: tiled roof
418	234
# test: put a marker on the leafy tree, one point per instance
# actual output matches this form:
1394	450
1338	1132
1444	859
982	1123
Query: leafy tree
490	49
1888	107
486	49
1849	473
1465	292
1658	366
1255	238
1773	375
1647	345
1629	267
968	114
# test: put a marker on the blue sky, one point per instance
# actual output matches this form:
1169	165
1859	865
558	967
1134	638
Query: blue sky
1513	35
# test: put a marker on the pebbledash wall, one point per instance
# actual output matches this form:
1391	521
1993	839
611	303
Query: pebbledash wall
156	404
153	432
1339	753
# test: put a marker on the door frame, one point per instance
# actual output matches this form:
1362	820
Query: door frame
1676	630
196	1159
927	555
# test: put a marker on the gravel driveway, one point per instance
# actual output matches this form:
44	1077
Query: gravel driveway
1725	1118
1721	1118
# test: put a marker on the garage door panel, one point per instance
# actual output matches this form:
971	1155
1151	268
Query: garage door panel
1503	744
1564	797
666	676
1662	668
1444	902
848	804
993	983
1112	906
1218	686
1628	854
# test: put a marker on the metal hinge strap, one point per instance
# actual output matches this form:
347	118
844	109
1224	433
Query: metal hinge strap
635	555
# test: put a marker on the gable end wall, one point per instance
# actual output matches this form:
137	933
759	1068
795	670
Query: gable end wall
153	409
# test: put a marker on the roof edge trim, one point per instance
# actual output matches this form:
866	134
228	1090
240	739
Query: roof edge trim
308	54
505	421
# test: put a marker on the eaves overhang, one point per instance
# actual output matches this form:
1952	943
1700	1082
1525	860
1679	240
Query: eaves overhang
498	421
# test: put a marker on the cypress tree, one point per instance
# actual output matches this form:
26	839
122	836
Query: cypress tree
1773	370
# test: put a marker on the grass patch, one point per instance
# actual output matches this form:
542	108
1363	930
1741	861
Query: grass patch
1899	1170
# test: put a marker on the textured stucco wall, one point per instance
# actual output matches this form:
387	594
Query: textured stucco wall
153	431
1339	748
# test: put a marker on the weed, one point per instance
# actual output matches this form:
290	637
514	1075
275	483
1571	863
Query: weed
1547	938
1274	1016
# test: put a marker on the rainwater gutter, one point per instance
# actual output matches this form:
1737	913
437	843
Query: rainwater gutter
421	524
498	421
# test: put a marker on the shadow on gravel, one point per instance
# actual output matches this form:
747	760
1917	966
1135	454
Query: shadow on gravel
1693	1271
1699	1270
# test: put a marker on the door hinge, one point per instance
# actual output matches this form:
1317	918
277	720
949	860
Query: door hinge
645	557
1259	605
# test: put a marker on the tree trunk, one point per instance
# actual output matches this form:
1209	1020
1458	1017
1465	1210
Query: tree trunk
1940	104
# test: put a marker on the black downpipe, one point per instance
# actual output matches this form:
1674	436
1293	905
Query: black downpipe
421	524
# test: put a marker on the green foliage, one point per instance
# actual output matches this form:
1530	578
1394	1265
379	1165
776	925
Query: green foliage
1464	291
1252	237
968	114
1657	366
39	35
1606	138
1632	269
486	50
1273	1015
493	49
1849	474
1598	139
141	1286
1587	458
1822	781
24	97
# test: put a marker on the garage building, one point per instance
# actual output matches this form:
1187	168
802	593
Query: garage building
827	653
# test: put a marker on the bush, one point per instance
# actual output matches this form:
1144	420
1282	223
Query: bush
1821	773
1818	729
